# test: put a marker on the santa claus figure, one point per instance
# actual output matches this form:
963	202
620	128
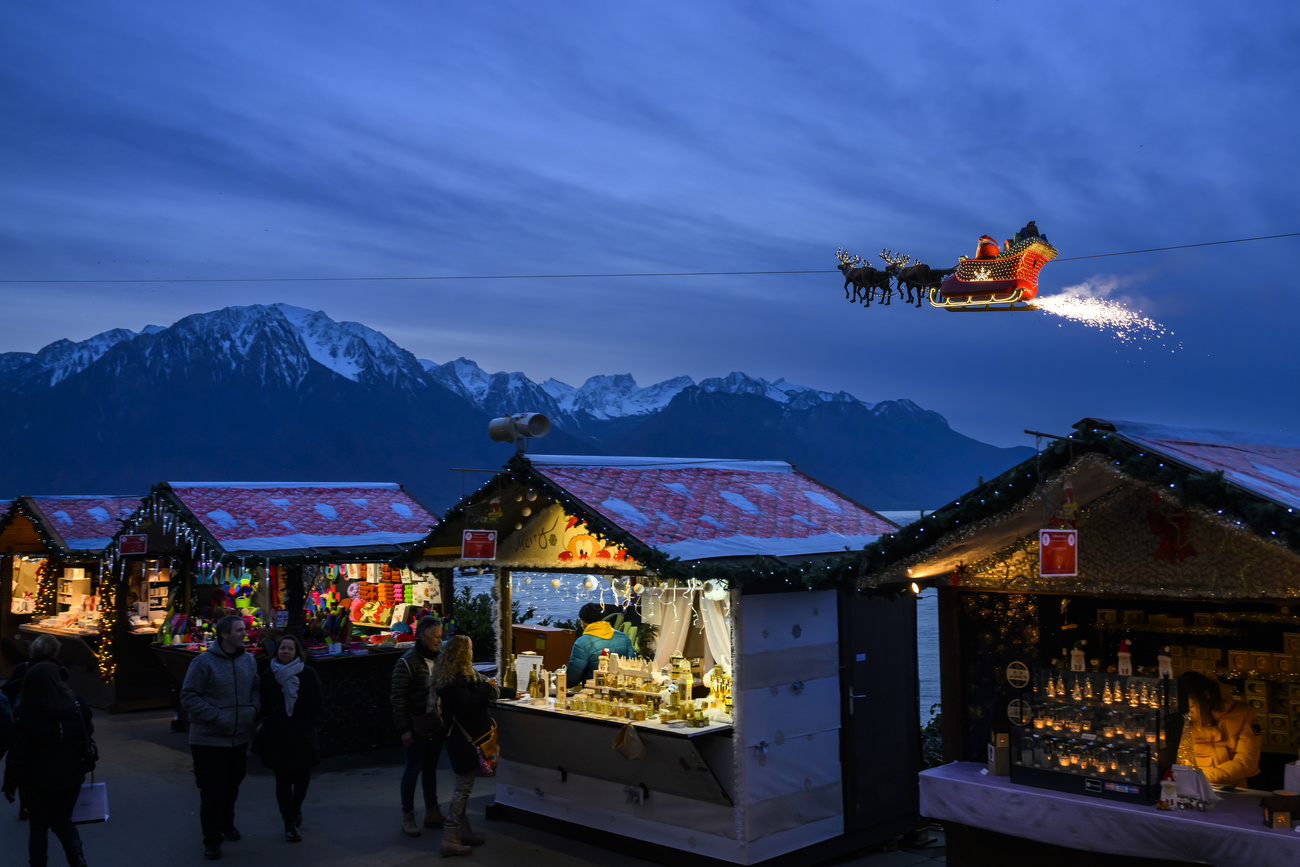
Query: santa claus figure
988	248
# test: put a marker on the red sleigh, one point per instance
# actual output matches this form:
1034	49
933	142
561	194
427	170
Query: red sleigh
996	284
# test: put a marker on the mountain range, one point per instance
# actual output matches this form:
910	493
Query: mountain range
280	393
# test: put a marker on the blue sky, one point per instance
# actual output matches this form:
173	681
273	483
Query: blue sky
341	139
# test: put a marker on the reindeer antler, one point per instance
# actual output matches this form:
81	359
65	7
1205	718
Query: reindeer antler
894	258
845	258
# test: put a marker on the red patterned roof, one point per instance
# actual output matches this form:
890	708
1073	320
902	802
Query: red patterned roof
1268	465
245	517
695	509
83	523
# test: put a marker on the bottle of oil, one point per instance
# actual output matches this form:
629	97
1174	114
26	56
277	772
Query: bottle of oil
532	683
512	676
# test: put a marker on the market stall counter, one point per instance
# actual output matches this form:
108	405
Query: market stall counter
669	759
1231	833
355	714
722	725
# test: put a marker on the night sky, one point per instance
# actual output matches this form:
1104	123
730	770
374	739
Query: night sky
385	139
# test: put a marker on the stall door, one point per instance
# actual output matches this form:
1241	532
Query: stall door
881	731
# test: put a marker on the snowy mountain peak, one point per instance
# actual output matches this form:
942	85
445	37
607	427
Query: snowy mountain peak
26	372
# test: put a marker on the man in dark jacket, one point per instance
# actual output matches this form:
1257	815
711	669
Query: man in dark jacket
415	713
220	695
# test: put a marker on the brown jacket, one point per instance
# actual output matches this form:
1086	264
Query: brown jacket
1228	752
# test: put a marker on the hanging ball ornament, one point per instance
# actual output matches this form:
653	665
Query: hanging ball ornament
590	583
555	582
638	587
526	511
528	580
532	495
518	526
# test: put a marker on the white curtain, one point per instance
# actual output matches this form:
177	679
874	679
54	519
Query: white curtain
717	630
682	610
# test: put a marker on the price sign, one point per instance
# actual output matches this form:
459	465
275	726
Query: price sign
133	544
478	545
1058	553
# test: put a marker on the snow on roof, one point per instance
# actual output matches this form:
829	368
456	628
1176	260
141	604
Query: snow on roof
697	509
84	523
1266	465
273	516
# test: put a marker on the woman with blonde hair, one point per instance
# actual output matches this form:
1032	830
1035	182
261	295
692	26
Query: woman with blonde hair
466	699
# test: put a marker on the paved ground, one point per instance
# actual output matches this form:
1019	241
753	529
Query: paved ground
351	817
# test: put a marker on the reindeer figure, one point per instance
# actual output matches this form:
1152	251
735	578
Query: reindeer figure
919	276
864	279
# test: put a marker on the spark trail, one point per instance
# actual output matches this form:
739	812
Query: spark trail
1089	305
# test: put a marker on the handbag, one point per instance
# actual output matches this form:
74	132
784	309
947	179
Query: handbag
487	749
92	804
87	750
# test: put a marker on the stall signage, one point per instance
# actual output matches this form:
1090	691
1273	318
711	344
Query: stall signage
1058	553
1020	713
478	545
1018	675
133	544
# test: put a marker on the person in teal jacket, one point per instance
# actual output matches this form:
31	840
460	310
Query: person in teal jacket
597	635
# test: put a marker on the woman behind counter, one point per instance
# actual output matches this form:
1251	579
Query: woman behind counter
465	700
291	702
46	760
1225	732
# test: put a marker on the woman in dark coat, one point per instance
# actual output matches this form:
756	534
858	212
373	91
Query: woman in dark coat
47	760
466	699
291	705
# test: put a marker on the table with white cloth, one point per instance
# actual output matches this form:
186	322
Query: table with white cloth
1230	834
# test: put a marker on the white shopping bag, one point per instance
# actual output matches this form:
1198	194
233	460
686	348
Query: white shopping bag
92	804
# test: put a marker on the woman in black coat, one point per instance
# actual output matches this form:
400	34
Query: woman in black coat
466	699
47	760
291	705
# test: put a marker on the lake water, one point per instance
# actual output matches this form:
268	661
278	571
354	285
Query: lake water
534	589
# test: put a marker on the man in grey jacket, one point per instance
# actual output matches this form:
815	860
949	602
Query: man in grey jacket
220	695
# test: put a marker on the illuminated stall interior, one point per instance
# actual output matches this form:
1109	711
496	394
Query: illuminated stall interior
1186	557
51	554
307	558
735	691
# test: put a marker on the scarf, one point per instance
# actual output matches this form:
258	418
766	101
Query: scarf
287	677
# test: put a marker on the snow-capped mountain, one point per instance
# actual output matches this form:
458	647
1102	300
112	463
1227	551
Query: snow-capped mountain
26	371
609	397
277	342
274	392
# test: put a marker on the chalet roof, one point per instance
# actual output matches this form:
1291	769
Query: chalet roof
1245	483
76	524
1262	464
246	518
696	509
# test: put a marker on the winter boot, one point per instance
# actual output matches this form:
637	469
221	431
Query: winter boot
467	835
451	845
409	828
433	817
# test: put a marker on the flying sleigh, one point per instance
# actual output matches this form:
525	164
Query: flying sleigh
1005	282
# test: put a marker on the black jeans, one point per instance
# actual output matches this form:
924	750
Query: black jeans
51	810
290	790
218	771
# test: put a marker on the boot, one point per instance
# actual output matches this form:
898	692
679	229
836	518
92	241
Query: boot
451	845
291	833
433	817
467	835
409	828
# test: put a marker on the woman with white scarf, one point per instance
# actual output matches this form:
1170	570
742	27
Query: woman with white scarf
291	705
